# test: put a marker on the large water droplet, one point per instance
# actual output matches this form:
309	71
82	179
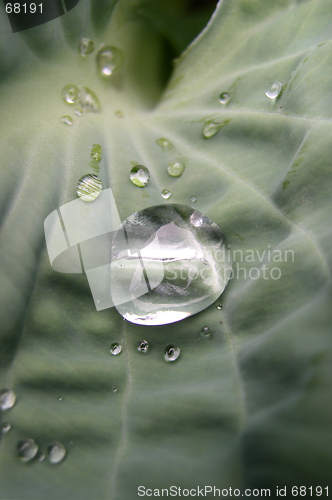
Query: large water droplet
7	399
206	330
70	94
224	98
89	101
27	449
143	346
165	144
56	452
211	128
67	120
115	348
6	426
174	264
86	47
109	60
273	90
89	187
171	353
140	175
175	168
166	194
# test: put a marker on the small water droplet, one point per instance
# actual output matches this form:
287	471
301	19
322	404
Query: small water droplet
175	168
220	306
6	426
139	175
165	144
89	101
109	60
115	348
166	194
211	128
224	98
193	198
115	389
273	90
27	449
119	114
7	399
96	152
56	452
89	187
143	346
41	457
206	330
70	94
60	398
67	120
86	47
171	353
78	111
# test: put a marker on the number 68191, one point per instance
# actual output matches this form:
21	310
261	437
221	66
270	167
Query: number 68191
17	8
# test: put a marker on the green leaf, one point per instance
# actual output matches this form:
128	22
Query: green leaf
250	405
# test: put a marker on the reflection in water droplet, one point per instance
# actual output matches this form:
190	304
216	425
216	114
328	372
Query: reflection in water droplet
89	187
143	346
139	175
166	194
165	144
172	352
86	47
119	114
175	264
7	399
109	60
115	348
211	128
273	90
56	452
206	330
175	168
89	101
27	449
193	198
224	98
6	426
67	120
220	306
70	94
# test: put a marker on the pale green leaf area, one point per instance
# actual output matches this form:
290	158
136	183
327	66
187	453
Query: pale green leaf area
248	406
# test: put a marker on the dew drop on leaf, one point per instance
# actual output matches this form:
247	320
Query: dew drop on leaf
193	198
143	346
166	194
56	452
89	187
67	120
27	449
115	349
165	144
273	90
175	168
224	98
220	306
89	100
211	128
109	60
86	47
139	175
70	94
171	353
7	399
6	426
206	331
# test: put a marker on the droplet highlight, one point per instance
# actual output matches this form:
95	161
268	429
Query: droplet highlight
139	175
60	398
171	353
27	449
175	168
273	90
224	98
220	306
165	144
6	426
115	349
143	346
166	194
109	60
56	452
206	331
67	120
211	128
7	399
86	47
89	187
70	94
